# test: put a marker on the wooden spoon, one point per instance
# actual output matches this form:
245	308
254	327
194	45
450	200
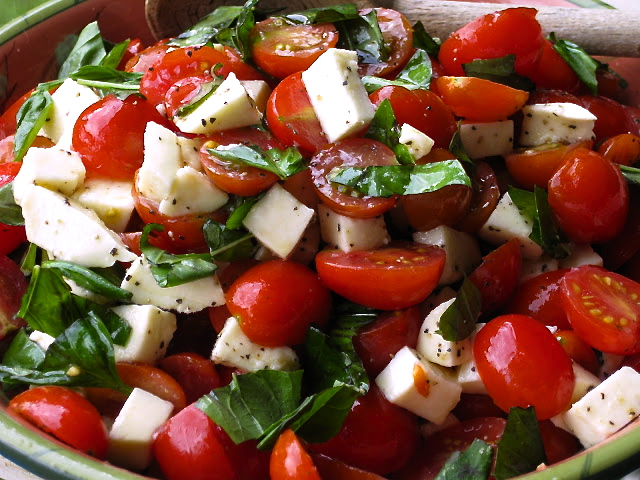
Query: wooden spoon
598	31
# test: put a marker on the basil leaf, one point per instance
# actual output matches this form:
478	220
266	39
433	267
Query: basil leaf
333	13
205	91
591	4
209	27
417	73
10	211
389	180
115	55
363	35
240	208
424	41
457	148
283	163
88	50
30	258
472	464
171	270
499	70
520	449
23	352
385	129
30	119
227	245
580	61
246	21
458	321
107	79
631	174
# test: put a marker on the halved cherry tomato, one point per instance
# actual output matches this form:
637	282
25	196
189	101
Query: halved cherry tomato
504	351
475	405
338	470
8	122
602	308
66	415
626	244
182	93
277	301
578	350
553	71
13	286
196	374
612	119
7	145
134	48
553	95
623	149
480	100
280	48
634	117
10	235
147	58
290	460
589	197
486	195
388	278
558	443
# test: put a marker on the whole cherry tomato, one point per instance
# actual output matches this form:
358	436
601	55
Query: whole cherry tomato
290	460
196	374
553	71
13	285
10	235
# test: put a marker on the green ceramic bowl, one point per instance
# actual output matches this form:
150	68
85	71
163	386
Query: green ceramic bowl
28	47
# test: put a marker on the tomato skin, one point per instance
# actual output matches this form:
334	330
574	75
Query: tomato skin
445	206
290	461
475	405
553	71
388	278
147	58
338	470
66	415
196	374
8	122
623	149
182	93
601	310
486	195
589	197
578	350
558	443
277	301
611	117
504	350
10	235
13	286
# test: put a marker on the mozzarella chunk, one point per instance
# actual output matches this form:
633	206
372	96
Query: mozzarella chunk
555	122
585	382
487	139
418	143
582	254
69	101
233	348
131	435
421	387
191	192
462	251
432	346
259	92
151	331
506	222
605	409
112	200
467	373
278	220
532	267
188	297
348	234
230	106
337	94
70	231
52	168
190	152
44	340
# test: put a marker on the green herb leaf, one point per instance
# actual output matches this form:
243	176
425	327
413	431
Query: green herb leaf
228	245
284	163
30	258
171	270
591	4
23	352
205	91
107	79
240	208
472	464
10	212
631	174
388	180
211	26
580	61
246	21
416	74
457	148
30	119
499	70
459	320
88	50
113	58
363	35
520	449
424	41
333	13
385	129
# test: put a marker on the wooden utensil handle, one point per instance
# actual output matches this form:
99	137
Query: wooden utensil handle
598	31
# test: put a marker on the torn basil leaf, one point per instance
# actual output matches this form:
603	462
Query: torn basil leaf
333	13
424	41
457	148
107	79
580	61
205	91
228	245
363	35
283	163
416	74
113	58
499	70
459	319
30	119
631	174
385	129
472	464
88	50
240	207
10	212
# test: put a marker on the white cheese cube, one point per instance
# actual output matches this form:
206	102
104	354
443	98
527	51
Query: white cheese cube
151	331
337	94
350	234
487	139
191	192
52	168
555	122
532	267
605	409
70	231
506	222
259	92
462	251
188	297
112	200
230	106
190	152
585	382
44	340
419	144
421	387
582	254
131	436
278	220
467	373
432	346
234	349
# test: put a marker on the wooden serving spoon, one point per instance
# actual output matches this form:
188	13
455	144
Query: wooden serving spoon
598	31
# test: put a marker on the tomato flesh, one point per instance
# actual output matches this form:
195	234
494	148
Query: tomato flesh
290	461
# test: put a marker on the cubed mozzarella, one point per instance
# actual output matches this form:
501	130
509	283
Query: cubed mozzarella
190	151
555	122
337	94
424	388
151	331
348	234
462	251
278	220
234	349
467	373
585	382
188	297
112	200
532	267
191	192
131	436
259	92
581	254
70	231
487	139
419	144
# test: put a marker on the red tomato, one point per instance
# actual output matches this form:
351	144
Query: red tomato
109	118
13	286
8	122
388	278
422	109
147	58
182	93
445	206
280	48
512	31
553	96
290	461
66	415
602	308
626	244
480	100
474	405
196	374
623	149
553	71
378	342
497	276
589	197
134	48
352	152
338	470
634	115
132	241
486	195
578	350
277	301
10	235
504	351
376	436
291	118
7	145
558	443
612	118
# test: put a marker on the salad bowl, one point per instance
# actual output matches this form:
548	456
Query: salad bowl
30	49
